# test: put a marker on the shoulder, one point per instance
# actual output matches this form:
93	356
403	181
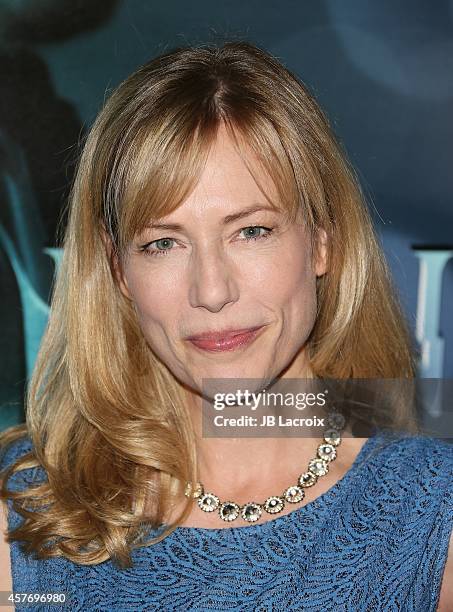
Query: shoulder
411	479
10	452
13	450
445	603
425	455
409	489
426	464
434	455
20	480
432	461
441	460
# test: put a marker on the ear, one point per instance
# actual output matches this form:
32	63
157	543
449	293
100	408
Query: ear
115	264
320	252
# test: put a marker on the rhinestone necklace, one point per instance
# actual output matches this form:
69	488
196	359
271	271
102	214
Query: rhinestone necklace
252	511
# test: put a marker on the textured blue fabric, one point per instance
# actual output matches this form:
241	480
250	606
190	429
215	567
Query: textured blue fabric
377	540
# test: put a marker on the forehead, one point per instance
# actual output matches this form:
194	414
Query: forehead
231	158
230	181
216	173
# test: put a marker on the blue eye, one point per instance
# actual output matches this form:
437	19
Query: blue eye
163	246
256	235
163	241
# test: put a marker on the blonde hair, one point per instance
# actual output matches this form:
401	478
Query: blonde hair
107	419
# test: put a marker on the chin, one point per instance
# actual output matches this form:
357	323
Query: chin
235	373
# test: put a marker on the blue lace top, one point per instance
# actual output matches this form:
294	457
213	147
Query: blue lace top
377	540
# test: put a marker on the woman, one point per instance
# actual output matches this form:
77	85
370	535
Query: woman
217	232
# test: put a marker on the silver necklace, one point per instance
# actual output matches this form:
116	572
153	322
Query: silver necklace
252	511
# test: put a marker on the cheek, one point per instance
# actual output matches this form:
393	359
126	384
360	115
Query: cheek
300	307
304	303
285	279
289	288
155	308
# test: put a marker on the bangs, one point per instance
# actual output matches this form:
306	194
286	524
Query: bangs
256	135
165	165
160	167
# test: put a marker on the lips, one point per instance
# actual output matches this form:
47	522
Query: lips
225	340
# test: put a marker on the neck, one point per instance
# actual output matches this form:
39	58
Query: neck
244	463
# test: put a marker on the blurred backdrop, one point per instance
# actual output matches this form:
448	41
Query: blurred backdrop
382	71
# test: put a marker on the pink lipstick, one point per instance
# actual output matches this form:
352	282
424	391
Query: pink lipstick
226	340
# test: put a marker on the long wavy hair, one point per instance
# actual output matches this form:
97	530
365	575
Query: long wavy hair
107	419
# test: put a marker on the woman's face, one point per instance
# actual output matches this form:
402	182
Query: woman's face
213	271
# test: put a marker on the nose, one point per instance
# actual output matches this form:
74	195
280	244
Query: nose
212	279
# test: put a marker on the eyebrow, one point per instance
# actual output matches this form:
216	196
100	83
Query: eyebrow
225	221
